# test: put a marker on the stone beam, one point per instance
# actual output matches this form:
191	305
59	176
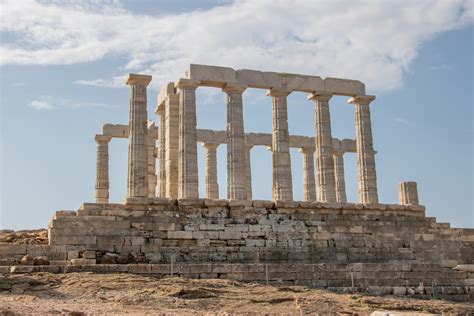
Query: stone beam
121	130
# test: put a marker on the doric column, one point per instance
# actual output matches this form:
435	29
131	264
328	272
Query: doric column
308	174
408	193
102	169
151	168
365	150
212	186
248	170
188	183
161	174
281	162
339	176
323	143
138	137
171	144
236	182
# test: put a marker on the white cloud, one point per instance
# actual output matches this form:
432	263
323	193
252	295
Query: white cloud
373	41
52	103
115	82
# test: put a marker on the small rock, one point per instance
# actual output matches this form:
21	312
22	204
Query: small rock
41	261
27	260
411	291
399	290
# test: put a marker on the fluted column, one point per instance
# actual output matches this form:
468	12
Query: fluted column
161	174
248	170
365	150
102	169
408	193
281	162
308	174
187	160
171	144
323	143
151	168
212	186
236	182
339	176
138	137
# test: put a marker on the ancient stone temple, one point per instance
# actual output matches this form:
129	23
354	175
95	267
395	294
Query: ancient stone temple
163	227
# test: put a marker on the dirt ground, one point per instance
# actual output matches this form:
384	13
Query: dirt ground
127	294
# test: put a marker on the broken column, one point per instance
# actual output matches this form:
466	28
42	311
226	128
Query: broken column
339	176
188	182
102	169
212	186
408	193
308	174
236	182
282	189
138	137
323	143
365	150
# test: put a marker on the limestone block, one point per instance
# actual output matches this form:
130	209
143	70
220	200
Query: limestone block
343	86
464	267
89	254
224	235
180	234
216	203
212	76
82	261
263	204
408	193
236	203
399	290
64	213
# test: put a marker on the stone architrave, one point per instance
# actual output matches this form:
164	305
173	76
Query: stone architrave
236	174
339	176
282	189
408	193
171	144
248	170
212	186
161	174
365	150
188	182
138	137
102	169
323	144
309	185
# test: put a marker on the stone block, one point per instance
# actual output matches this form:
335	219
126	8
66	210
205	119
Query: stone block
82	261
230	235
89	254
211	227
263	204
180	235
216	203
63	214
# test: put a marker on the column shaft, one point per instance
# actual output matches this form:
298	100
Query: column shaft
281	161
323	143
102	169
339	176
236	182
212	186
138	137
248	171
161	182
308	174
188	184
171	144
151	168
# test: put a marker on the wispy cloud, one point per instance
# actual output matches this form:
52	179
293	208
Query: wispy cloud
115	82
373	41
54	103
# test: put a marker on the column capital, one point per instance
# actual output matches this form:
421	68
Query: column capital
187	84
338	152
138	80
278	92
249	146
234	88
361	99
102	138
210	145
320	96
307	150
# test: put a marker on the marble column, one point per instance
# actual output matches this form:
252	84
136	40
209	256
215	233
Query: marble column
161	174
323	143
171	144
188	183
138	137
339	176
248	170
102	169
212	186
408	193
308	174
281	161
365	150
236	182
151	168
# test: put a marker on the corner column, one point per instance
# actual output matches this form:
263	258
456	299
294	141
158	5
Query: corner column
248	170
102	169
365	150
212	186
188	183
339	176
281	162
138	137
161	174
323	143
236	182
308	174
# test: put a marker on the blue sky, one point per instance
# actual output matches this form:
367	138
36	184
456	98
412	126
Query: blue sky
63	65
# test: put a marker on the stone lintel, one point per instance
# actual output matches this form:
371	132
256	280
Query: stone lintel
361	99
137	79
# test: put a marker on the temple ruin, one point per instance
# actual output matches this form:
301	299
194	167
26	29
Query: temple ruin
163	227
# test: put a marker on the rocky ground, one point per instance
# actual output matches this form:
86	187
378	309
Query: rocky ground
37	236
87	294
